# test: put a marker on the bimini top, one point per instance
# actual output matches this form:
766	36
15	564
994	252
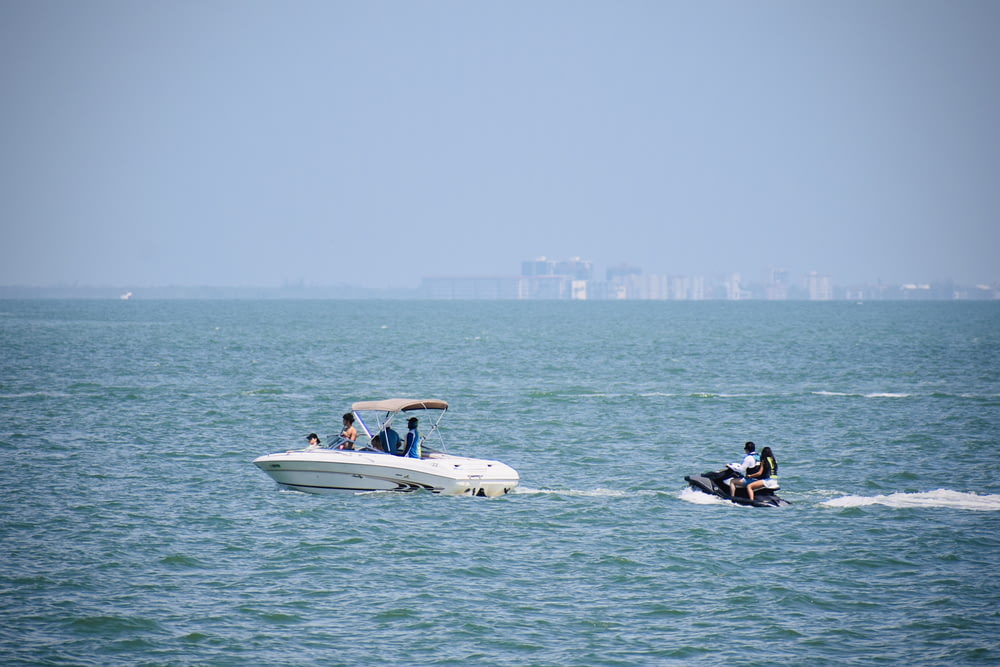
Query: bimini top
401	405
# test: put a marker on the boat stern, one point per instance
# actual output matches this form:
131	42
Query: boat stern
481	478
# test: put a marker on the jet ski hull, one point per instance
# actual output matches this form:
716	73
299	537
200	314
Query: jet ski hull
716	484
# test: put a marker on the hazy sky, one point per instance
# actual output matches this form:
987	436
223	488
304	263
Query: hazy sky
233	142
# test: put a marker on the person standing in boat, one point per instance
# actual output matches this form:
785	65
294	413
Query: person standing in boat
412	439
767	475
349	434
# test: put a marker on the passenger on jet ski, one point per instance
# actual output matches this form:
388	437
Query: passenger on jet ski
768	475
749	471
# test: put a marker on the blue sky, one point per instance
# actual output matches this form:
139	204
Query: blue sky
371	143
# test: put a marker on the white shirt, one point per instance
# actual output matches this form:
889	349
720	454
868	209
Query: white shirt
749	461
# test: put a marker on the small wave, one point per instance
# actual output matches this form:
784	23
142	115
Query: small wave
113	625
577	395
874	394
397	614
181	561
938	498
281	618
35	394
263	392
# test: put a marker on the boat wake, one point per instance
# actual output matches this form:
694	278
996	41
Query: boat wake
938	498
583	493
876	394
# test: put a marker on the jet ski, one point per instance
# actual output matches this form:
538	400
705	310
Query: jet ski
716	483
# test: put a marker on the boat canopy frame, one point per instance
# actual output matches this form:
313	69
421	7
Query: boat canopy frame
400	405
386	411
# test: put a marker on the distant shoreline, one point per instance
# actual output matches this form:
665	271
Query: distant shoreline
954	293
204	292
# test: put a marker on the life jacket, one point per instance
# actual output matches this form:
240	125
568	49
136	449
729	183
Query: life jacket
754	468
413	451
770	468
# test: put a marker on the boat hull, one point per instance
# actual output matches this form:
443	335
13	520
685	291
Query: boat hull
328	471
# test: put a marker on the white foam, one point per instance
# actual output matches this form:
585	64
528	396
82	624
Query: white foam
937	498
700	498
874	394
35	394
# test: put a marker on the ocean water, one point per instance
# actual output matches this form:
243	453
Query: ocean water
135	530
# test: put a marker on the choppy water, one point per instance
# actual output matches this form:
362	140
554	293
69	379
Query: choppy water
136	532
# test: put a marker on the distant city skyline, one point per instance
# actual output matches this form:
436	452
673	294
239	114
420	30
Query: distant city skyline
599	271
575	278
572	278
559	266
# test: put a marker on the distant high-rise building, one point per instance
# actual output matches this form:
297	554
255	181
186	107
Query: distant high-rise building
622	271
540	266
576	268
697	289
777	276
776	284
655	287
734	288
819	287
687	288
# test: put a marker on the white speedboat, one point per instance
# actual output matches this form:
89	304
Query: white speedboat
368	466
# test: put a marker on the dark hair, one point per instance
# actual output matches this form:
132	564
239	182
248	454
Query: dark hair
749	447
349	417
766	456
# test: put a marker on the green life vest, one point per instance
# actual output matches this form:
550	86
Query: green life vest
771	468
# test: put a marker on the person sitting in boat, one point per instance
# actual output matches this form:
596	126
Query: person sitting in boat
412	439
349	434
390	440
767	476
313	440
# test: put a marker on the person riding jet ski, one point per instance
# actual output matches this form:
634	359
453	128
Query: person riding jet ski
723	483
